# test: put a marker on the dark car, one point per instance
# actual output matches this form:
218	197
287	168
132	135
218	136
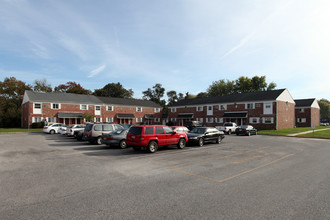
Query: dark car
246	130
117	138
151	136
201	135
192	124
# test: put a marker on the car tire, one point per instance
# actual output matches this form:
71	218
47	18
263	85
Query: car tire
152	147
237	134
122	144
98	141
52	132
218	141
136	148
182	143
201	142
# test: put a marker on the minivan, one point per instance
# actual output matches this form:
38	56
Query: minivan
93	132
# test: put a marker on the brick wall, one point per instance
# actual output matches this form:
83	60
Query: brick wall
285	115
311	115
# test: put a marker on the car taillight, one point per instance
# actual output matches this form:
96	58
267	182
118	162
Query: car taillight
141	138
70	130
110	138
46	127
245	130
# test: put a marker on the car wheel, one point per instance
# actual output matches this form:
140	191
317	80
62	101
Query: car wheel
182	143
52	132
229	132
218	141
136	148
237	134
152	147
201	142
122	144
98	141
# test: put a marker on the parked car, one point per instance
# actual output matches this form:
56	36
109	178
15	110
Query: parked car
192	124
201	135
93	132
151	136
228	127
246	130
180	129
62	130
71	129
53	128
126	126
116	138
79	134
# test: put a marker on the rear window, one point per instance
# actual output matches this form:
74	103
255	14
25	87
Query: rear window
89	127
149	130
135	130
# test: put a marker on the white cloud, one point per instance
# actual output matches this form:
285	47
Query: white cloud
96	71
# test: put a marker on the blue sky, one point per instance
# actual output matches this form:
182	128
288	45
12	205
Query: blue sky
184	44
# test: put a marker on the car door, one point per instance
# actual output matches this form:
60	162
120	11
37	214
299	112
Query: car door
171	138
208	135
161	136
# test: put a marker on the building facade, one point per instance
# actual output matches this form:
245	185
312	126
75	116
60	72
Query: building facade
264	110
307	113
69	108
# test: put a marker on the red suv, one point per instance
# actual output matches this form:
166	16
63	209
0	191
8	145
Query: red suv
152	136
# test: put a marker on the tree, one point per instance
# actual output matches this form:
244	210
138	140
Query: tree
72	87
221	87
41	85
173	97
88	116
324	109
11	97
114	90
155	94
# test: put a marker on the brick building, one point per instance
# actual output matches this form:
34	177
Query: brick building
69	108
273	109
307	112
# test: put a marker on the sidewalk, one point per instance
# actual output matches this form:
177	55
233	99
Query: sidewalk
306	132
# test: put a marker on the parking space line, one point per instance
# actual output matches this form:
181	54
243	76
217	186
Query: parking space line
192	174
250	158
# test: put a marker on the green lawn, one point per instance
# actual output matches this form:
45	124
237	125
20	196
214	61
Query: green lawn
319	134
287	131
6	130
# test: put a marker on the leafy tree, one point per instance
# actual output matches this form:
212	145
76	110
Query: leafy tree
202	95
221	87
155	94
11	97
324	109
72	87
173	97
41	85
114	90
88	116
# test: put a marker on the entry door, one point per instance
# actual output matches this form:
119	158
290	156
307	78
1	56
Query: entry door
209	110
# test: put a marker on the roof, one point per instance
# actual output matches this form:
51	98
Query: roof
70	115
241	97
304	102
84	99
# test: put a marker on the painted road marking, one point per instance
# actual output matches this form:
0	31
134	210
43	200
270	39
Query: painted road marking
250	158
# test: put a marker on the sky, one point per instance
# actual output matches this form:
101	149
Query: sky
185	45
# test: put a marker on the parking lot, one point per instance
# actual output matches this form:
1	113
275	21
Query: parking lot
46	176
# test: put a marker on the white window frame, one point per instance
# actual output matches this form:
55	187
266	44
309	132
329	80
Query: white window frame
173	119
301	110
248	105
110	108
268	111
209	120
222	107
199	108
157	119
96	119
110	120
34	119
157	110
37	110
81	107
52	105
218	120
139	109
138	120
50	119
254	120
200	119
271	120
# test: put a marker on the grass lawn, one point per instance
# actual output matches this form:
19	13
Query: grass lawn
319	134
6	130
287	131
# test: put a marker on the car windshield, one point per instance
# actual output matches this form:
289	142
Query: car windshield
198	130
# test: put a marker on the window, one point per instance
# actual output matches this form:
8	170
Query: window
157	110
109	108
107	127
301	120
157	119
219	120
98	119
173	109
56	106
268	120
209	120
222	107
199	108
36	119
139	109
149	130
168	130
258	105
159	130
52	119
249	106
37	108
139	120
301	110
98	128
199	119
87	120
173	119
210	108
97	108
37	105
268	108
83	107
110	120
254	120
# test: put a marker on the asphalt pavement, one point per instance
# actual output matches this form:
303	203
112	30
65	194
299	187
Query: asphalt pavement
46	176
